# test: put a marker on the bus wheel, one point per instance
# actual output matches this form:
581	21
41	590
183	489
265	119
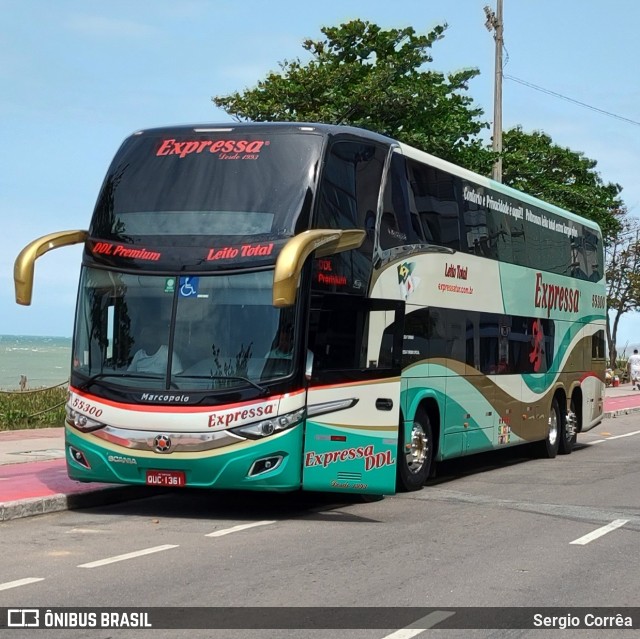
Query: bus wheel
569	431
549	447
415	459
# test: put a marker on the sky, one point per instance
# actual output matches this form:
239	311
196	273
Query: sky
78	76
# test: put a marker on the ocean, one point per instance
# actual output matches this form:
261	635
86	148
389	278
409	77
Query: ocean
45	361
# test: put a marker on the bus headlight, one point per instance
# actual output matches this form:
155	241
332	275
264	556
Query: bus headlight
267	427
82	422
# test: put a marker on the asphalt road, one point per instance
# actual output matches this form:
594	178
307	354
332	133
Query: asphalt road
491	532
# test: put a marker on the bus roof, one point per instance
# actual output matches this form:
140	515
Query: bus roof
408	151
327	129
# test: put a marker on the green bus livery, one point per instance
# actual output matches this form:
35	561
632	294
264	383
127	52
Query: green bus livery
276	306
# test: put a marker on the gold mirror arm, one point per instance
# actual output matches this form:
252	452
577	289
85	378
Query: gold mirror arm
295	252
24	266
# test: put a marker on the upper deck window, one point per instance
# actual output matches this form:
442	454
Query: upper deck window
197	184
348	199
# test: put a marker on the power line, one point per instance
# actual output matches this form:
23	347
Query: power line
568	99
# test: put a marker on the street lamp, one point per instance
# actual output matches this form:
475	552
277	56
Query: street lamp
494	23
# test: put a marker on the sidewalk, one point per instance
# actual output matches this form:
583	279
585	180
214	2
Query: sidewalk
33	477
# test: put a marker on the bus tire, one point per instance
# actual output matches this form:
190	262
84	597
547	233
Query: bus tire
416	459
548	448
569	431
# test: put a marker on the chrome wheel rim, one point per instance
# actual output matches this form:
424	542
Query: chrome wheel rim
417	449
553	427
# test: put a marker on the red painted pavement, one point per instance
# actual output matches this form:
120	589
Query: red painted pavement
38	479
623	402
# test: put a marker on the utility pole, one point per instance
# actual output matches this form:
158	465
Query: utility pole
494	23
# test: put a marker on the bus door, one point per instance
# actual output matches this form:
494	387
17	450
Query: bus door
353	401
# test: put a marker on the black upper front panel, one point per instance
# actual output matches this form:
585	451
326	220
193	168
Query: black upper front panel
205	197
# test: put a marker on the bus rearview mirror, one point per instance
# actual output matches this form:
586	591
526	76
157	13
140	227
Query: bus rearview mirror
295	252
24	266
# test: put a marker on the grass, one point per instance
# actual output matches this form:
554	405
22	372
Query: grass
39	408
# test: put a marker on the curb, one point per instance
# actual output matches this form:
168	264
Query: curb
621	411
55	503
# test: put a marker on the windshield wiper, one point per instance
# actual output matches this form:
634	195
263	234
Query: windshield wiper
262	389
98	376
94	378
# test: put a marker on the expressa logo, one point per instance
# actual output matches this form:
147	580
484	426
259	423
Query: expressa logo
372	459
237	417
184	148
554	296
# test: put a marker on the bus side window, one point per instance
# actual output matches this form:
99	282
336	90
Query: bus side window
417	227
400	223
350	334
436	203
390	236
593	251
347	195
598	345
488	336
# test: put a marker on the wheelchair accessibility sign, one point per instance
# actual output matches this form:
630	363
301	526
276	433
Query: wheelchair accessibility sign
189	286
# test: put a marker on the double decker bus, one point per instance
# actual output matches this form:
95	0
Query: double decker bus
280	306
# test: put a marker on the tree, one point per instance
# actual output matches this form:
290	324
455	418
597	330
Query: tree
566	178
623	279
362	75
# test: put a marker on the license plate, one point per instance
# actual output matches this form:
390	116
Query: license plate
166	478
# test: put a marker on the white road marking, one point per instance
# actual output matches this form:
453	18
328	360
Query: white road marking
426	622
129	555
228	531
599	441
599	532
405	633
85	530
635	432
20	582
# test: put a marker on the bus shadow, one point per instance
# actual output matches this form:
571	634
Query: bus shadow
215	505
212	505
479	463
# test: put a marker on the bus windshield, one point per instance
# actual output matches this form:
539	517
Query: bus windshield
190	332
188	185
